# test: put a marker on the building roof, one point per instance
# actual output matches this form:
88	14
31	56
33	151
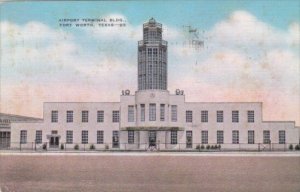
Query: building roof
7	118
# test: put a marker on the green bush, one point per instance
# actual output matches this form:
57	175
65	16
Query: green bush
291	147
202	147
297	147
62	146
76	147
207	147
45	146
92	147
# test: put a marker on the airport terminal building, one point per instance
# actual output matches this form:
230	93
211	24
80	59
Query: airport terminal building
152	117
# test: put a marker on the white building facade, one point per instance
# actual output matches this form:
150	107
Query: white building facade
152	117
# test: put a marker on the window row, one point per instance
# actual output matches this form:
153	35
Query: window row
85	116
219	116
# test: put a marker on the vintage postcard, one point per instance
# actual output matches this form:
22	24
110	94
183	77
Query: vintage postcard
150	95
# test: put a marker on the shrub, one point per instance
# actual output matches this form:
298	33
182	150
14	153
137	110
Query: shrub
202	147
45	146
291	147
198	147
62	146
216	146
207	146
106	146
92	147
297	147
212	147
219	146
76	147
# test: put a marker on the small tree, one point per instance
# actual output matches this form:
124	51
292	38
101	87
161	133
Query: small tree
207	147
291	147
76	147
106	147
45	146
92	147
62	146
297	147
202	147
219	146
198	147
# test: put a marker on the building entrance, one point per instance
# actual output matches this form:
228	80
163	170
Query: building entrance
152	138
54	142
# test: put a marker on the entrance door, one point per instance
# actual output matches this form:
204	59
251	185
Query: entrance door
152	138
115	139
189	139
54	142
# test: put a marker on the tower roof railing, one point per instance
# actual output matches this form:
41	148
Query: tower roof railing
152	25
162	42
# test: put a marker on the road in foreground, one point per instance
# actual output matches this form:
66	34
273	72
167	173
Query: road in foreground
148	173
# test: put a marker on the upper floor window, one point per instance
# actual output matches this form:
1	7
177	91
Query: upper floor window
85	116
235	116
189	116
100	116
115	116
69	116
250	116
162	112
152	112
220	117
142	112
173	113
54	116
130	113
204	116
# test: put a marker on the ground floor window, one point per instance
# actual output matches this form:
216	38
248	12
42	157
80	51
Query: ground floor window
281	137
204	137
100	136
235	137
69	137
266	136
173	137
220	137
189	139
130	137
85	137
38	136
250	137
23	136
115	139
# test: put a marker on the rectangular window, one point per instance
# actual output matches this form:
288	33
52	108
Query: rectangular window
54	116
143	112
204	116
115	116
100	136
23	136
38	137
235	137
251	137
220	117
100	116
130	113
152	112
189	139
250	116
69	137
85	116
204	137
69	116
85	137
130	137
235	116
220	137
189	116
266	136
173	113
162	112
173	137
281	137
